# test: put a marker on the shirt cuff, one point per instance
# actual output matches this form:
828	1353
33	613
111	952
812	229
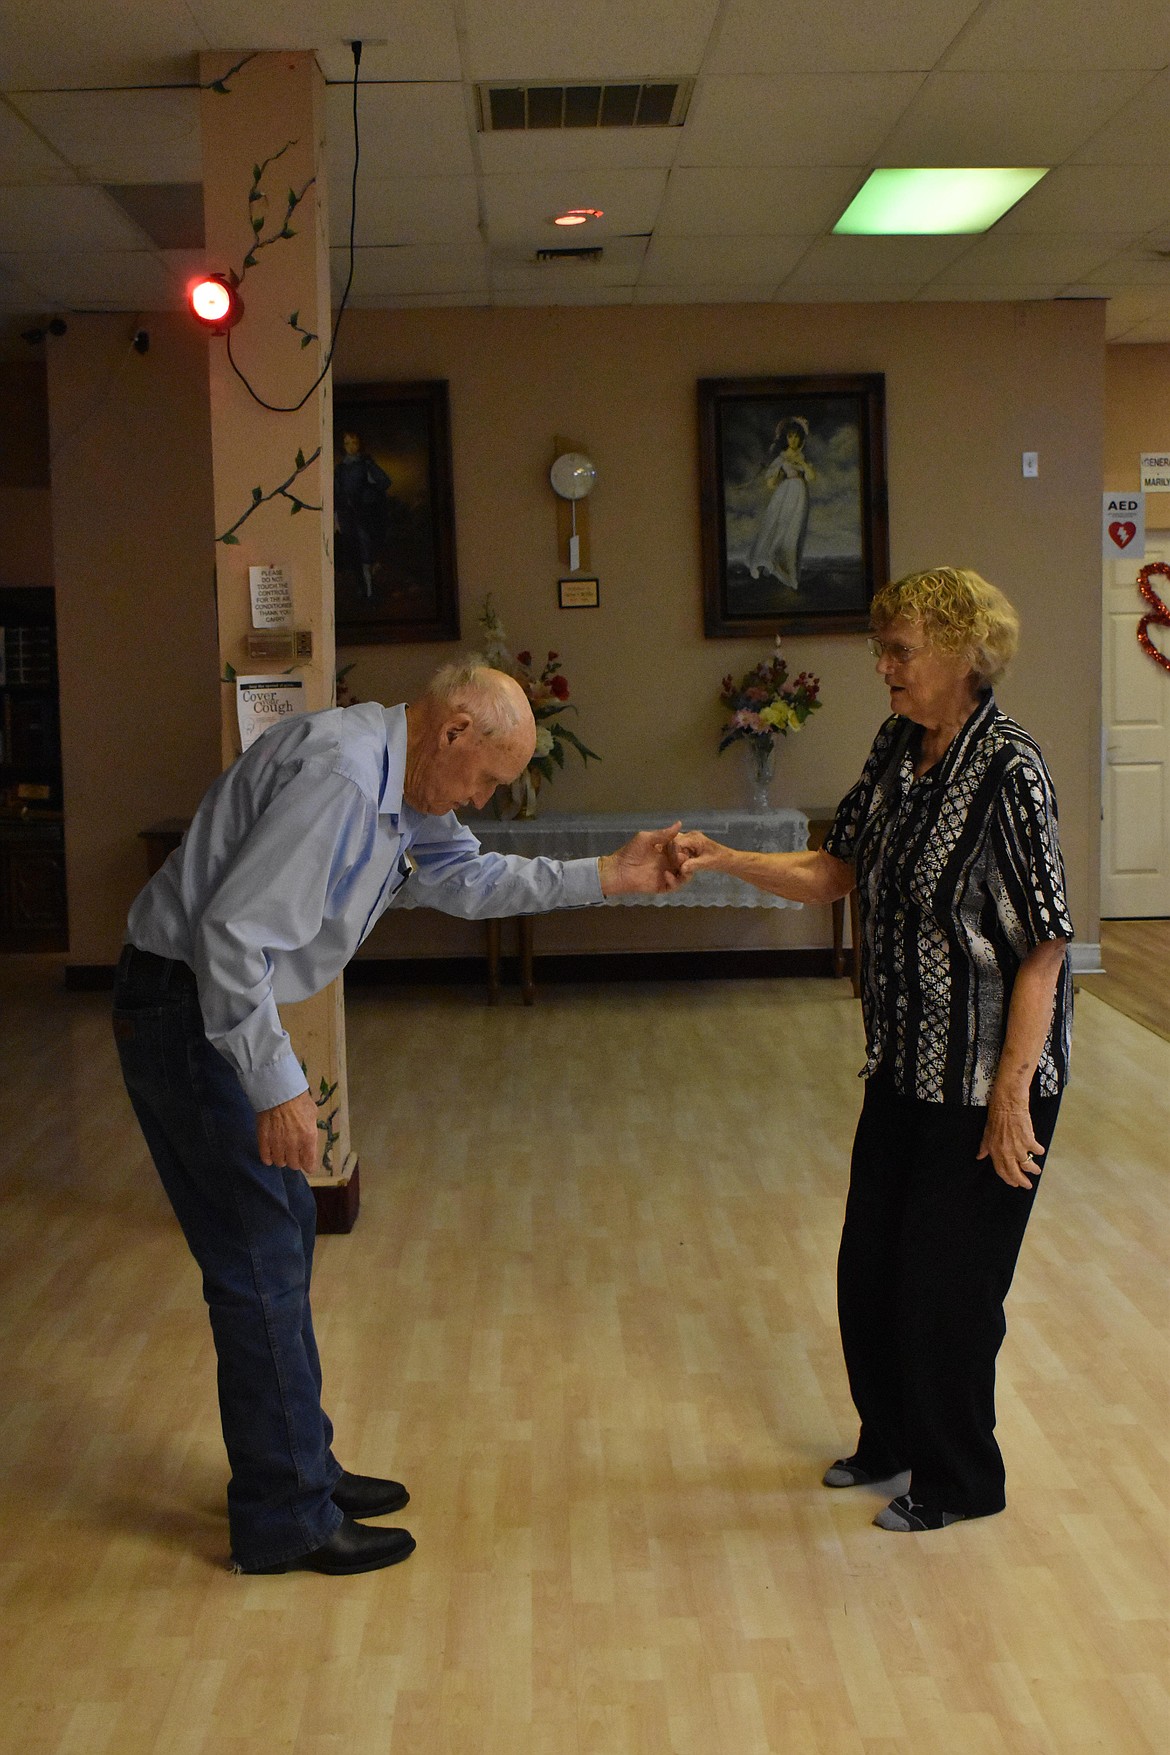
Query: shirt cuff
279	1082
582	884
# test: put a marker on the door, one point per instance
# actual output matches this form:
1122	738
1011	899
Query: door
1135	830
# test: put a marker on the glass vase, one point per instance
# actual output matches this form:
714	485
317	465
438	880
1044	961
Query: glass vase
762	751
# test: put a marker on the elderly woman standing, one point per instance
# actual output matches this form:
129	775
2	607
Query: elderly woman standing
950	836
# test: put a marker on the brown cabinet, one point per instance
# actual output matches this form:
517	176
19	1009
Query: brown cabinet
32	837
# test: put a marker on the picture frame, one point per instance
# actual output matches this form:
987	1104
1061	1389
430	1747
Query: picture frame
793	503
395	577
579	592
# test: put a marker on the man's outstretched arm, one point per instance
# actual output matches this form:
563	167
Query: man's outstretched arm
646	866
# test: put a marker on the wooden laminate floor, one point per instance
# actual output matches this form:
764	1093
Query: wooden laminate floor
587	1314
1135	955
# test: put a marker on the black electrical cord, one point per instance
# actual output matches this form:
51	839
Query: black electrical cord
292	408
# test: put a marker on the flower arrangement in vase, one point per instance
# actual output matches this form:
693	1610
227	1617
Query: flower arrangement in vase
548	695
765	705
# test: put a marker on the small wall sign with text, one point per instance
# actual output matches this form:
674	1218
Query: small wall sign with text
1156	472
272	603
579	593
262	701
1123	526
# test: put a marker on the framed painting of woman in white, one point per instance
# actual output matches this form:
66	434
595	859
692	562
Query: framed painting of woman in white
793	499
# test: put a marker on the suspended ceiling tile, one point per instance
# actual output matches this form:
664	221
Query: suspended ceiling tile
591	39
837	119
1140	266
55	44
121	136
1005	118
767	202
523	207
79	218
1030	259
17	294
98	280
726	293
406	210
1139	134
545	150
422	301
1152	331
981	292
707	261
23	157
620	263
416	130
419	42
413	268
907	262
828	292
1080	198
1128	311
596	295
1010	35
837	36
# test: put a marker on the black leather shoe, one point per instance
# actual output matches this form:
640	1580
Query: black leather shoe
351	1548
367	1496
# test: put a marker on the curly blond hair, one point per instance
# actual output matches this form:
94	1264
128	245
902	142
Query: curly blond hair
959	612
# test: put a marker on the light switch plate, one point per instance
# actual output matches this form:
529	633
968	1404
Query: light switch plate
1031	462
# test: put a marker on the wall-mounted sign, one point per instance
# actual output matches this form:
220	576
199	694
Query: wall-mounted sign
262	701
1123	526
1156	472
579	593
272	604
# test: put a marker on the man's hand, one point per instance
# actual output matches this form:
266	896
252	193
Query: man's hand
287	1134
646	866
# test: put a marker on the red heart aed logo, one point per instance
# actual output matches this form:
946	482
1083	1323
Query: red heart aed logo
1122	534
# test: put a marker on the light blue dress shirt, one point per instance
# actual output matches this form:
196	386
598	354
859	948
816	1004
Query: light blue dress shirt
294	853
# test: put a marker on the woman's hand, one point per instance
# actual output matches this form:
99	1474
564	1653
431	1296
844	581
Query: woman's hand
697	852
1009	1140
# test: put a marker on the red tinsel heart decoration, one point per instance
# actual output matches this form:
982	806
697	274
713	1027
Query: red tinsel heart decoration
1159	614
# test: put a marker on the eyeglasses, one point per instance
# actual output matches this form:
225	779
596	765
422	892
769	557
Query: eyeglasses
892	649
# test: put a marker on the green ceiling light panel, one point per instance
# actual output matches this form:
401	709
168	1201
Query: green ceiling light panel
930	202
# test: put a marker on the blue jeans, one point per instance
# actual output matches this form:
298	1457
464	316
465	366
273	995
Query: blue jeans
251	1228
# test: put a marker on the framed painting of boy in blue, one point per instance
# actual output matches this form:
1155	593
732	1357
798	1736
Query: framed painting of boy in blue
393	513
795	537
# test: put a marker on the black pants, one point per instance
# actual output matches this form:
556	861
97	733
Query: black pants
927	1255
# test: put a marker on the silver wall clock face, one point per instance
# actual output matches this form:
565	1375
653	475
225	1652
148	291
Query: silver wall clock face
573	475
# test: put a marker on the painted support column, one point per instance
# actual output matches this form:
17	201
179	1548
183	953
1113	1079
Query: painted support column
264	193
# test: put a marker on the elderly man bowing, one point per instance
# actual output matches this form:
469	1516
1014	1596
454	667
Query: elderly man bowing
294	853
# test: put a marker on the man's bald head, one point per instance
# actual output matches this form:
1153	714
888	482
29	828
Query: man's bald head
495	702
471	731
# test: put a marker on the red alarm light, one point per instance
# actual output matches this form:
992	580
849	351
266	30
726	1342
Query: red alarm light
215	303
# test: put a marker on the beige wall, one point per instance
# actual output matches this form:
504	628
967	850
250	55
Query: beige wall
1137	419
132	535
968	389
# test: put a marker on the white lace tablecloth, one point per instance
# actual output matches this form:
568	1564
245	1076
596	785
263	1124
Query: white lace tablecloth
565	835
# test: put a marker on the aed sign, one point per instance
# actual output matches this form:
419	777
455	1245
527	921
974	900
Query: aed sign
1156	472
1123	526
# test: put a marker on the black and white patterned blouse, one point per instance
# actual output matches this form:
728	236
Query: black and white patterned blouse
959	876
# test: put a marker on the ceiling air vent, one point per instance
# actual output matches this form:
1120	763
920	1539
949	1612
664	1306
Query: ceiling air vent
647	103
586	253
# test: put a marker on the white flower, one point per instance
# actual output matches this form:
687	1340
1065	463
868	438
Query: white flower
544	741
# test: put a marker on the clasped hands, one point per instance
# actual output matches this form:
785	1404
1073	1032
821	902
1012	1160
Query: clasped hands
655	861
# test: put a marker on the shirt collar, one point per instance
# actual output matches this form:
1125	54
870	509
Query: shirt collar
964	745
393	763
